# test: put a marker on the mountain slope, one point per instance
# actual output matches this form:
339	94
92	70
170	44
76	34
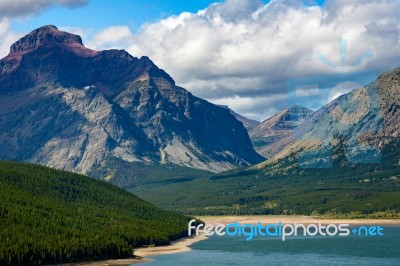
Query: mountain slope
50	216
70	107
367	119
273	134
248	123
343	161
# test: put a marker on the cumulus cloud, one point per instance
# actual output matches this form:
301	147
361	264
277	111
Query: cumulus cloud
7	37
112	37
241	53
12	8
267	106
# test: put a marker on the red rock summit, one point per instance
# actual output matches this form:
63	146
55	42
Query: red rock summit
45	35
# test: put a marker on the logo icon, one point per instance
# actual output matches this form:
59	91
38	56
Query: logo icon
352	111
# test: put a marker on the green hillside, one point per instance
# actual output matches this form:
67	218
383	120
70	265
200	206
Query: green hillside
345	190
129	175
51	216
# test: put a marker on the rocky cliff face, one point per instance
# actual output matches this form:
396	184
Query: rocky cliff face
248	123
69	107
363	122
274	133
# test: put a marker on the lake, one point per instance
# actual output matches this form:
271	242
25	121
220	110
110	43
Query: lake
350	250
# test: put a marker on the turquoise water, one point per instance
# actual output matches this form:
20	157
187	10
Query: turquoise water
299	251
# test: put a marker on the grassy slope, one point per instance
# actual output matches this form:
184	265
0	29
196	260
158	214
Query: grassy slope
50	216
360	190
130	175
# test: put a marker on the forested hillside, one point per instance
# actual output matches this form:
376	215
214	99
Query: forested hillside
51	216
345	190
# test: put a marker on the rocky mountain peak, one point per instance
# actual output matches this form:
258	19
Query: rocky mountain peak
45	35
88	106
266	137
287	119
293	116
299	109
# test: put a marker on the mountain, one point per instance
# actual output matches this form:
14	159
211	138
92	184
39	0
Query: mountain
248	123
273	134
343	161
49	217
366	120
73	108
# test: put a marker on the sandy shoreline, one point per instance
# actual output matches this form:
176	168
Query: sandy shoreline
266	219
117	262
183	245
143	254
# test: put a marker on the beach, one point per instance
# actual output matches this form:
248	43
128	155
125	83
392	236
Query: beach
142	254
267	219
116	262
181	245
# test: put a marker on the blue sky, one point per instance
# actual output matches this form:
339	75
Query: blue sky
240	53
101	13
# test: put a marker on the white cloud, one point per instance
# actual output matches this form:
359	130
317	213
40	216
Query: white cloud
84	33
257	108
12	8
111	37
239	49
7	37
343	88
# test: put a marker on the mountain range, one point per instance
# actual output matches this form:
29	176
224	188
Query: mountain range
121	118
341	161
72	108
367	120
270	136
